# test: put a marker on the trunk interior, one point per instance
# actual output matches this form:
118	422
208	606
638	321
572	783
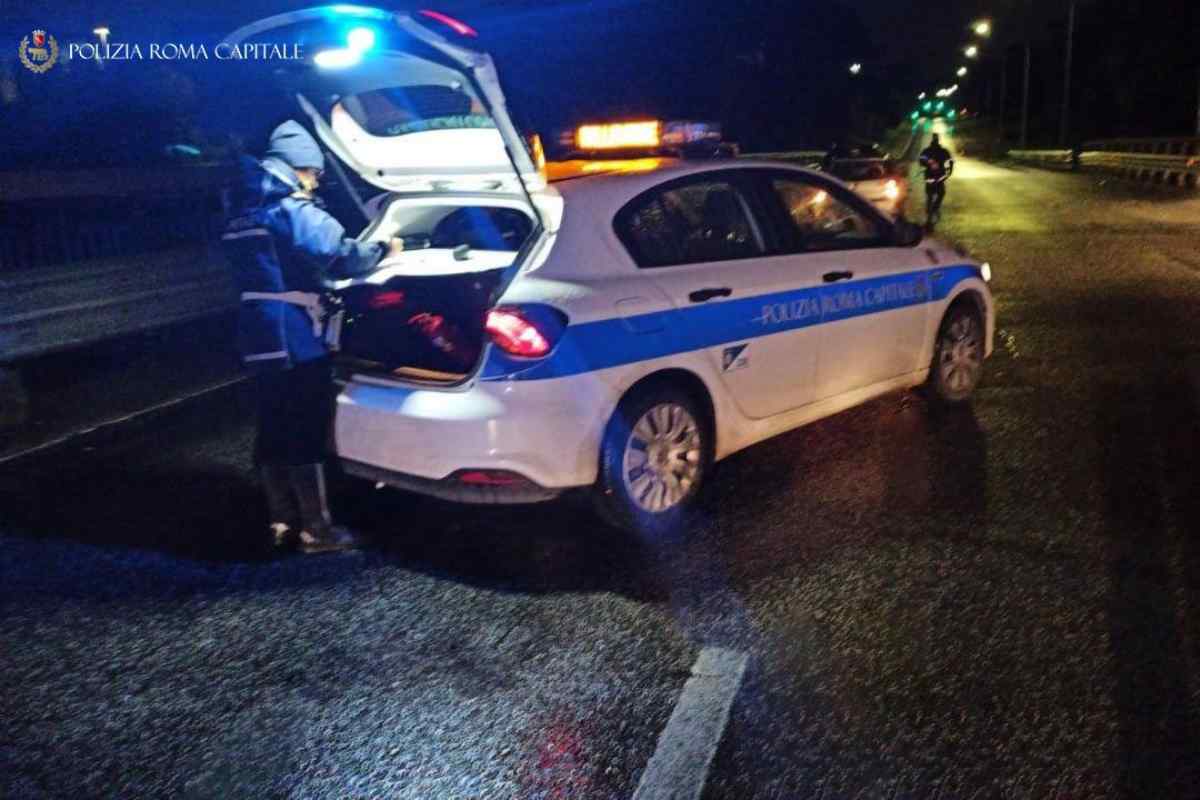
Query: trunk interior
418	328
420	316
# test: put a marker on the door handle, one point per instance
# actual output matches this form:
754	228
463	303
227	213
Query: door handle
702	295
834	277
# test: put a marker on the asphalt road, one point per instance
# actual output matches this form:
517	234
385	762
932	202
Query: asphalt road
995	603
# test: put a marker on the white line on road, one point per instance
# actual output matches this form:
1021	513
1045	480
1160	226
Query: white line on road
120	420
679	767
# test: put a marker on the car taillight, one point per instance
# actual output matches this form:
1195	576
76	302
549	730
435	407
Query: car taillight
529	333
489	477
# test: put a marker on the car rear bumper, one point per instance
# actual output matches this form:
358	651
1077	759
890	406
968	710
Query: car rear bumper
455	490
547	432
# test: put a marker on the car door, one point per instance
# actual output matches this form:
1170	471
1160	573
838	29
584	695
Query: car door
753	311
874	293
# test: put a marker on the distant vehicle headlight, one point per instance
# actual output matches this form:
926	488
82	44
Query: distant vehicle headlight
892	190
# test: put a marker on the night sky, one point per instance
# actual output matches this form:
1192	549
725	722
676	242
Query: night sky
775	72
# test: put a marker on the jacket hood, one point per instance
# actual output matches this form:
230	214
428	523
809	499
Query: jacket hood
261	183
294	146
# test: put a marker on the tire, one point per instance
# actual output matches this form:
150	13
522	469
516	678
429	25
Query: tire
656	453
958	354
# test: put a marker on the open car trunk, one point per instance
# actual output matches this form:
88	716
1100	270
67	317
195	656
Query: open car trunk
421	315
422	119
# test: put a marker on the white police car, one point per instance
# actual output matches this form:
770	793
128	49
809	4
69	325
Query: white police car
616	324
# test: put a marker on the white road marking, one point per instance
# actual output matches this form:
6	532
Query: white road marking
679	767
119	420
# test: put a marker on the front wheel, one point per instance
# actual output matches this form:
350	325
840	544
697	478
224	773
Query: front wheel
958	356
656	453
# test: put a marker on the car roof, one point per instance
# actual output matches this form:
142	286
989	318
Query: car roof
624	179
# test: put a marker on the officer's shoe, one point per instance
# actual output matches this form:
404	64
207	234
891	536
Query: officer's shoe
284	536
333	539
318	534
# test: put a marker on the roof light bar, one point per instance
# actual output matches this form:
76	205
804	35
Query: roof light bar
619	135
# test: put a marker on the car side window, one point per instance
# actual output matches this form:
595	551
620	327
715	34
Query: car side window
691	223
823	221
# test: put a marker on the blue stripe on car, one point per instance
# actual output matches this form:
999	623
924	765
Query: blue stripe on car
592	346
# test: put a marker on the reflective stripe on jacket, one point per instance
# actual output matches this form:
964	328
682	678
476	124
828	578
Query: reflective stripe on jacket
281	245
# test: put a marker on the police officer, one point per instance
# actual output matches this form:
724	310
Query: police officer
283	247
938	165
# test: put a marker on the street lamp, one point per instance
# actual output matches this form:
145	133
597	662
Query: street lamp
983	28
962	72
921	96
855	68
972	51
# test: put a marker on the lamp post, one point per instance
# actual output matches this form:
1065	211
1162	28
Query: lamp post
1064	120
1025	79
1025	98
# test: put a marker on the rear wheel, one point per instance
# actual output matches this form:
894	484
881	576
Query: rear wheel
957	356
656	453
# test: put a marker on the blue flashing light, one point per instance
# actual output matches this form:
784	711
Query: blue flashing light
360	39
339	58
357	11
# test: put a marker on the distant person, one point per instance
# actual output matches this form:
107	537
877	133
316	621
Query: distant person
283	247
938	165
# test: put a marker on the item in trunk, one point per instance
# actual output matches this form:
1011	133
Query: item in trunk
445	337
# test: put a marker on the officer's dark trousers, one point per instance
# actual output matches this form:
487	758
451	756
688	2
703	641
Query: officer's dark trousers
295	411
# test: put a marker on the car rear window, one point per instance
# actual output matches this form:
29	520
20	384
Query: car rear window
398	111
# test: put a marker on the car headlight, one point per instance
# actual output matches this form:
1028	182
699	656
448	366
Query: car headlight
985	269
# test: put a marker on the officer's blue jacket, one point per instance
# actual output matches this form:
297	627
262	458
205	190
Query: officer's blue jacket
280	240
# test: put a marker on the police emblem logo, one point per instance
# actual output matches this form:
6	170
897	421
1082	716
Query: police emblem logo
38	52
734	358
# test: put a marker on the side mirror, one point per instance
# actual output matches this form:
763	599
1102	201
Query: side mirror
908	234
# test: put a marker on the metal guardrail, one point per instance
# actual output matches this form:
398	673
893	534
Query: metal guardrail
807	157
1167	162
93	255
1060	159
801	157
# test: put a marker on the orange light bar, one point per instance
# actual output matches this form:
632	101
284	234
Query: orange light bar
618	135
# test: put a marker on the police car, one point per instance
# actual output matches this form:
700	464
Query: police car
616	323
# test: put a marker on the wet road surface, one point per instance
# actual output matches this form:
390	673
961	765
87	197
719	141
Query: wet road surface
1000	602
